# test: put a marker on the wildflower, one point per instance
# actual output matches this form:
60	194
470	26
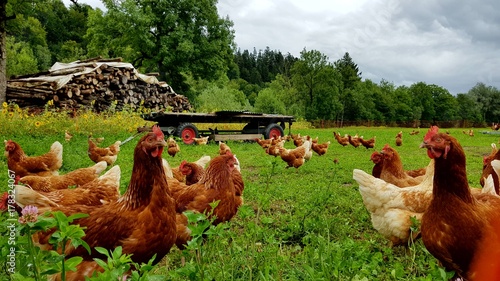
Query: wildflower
29	214
38	124
11	114
5	105
50	102
85	116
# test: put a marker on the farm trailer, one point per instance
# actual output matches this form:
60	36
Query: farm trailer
257	124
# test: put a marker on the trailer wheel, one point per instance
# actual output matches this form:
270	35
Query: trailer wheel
273	131
187	132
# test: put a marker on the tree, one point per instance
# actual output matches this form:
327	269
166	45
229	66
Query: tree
29	31
488	100
445	105
267	102
350	75
169	36
468	108
402	105
4	18
317	83
21	57
349	71
423	100
215	98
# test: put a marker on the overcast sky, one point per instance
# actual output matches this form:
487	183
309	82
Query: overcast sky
453	44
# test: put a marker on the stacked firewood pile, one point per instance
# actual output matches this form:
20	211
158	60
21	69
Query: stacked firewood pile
95	84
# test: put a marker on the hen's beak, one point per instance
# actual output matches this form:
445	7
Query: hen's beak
423	145
162	142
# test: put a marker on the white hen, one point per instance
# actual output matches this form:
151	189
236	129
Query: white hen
392	207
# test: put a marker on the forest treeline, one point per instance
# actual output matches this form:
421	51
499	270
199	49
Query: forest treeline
193	50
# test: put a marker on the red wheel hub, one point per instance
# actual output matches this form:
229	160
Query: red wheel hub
188	135
274	133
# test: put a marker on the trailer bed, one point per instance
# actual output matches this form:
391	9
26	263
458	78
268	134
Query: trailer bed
257	124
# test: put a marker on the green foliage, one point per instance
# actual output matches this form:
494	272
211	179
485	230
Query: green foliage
119	265
468	109
21	58
487	99
267	101
70	51
214	98
349	71
146	32
30	261
317	82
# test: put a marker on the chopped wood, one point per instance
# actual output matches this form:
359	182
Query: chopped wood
95	90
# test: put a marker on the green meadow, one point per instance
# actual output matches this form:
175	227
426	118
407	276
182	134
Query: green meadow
295	224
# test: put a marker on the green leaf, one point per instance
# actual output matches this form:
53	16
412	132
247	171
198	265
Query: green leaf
72	262
77	216
101	263
102	250
117	252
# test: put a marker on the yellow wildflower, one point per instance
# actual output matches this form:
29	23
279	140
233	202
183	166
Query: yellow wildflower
5	105
38	124
85	116
11	114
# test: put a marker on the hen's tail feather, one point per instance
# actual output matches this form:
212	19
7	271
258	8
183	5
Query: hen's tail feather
100	167
203	161
168	170
111	177
237	164
489	186
57	149
496	166
26	196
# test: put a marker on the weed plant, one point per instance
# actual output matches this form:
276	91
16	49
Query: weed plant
295	224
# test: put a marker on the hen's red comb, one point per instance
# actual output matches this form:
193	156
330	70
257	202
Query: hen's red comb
159	134
374	155
182	164
433	130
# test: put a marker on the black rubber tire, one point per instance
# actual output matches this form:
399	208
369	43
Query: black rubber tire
187	132
273	130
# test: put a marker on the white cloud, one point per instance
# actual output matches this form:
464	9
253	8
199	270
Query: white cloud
448	43
453	44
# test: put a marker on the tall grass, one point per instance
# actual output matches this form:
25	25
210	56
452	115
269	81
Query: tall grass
295	224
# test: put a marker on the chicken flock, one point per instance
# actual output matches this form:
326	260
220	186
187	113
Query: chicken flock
458	222
148	219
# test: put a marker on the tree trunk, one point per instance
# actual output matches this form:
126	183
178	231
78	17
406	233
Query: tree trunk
3	52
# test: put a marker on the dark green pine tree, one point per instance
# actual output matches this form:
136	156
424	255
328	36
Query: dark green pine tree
349	71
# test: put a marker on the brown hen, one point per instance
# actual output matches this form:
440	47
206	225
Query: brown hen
142	221
22	165
455	223
77	177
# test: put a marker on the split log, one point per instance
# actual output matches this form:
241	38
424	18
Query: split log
96	90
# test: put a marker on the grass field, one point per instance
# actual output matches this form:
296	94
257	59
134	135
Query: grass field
296	224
